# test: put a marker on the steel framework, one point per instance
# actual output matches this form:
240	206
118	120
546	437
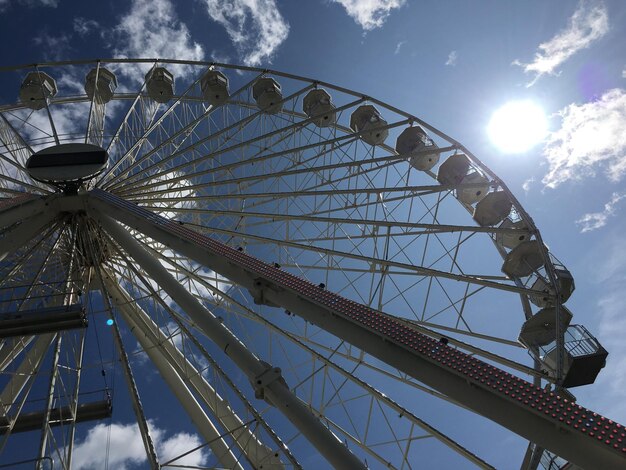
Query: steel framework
291	284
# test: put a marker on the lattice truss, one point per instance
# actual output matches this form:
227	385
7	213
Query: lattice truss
317	201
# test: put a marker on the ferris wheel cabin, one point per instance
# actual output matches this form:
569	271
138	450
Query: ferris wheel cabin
100	83
37	88
160	84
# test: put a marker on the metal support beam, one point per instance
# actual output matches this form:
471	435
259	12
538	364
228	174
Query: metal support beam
58	416
20	234
19	208
43	320
553	422
152	338
177	385
11	348
47	414
142	423
95	126
267	380
26	370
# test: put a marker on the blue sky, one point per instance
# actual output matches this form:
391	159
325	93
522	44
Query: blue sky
451	63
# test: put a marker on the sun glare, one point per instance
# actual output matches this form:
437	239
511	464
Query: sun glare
517	126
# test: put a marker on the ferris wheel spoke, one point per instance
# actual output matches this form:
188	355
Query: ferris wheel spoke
389	160
428	228
186	128
404	190
12	164
38	272
249	442
275	391
94	133
148	129
237	127
125	140
15	237
259	157
21	383
17	270
474	279
366	390
161	126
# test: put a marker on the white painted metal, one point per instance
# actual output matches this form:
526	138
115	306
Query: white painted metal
21	234
264	289
329	206
154	342
11	348
142	422
261	374
24	372
20	209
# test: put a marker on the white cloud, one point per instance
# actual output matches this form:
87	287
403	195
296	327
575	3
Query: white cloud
179	444
151	29
591	135
125	444
452	57
589	23
54	47
4	4
40	3
256	27
596	220
126	447
370	14
527	185
624	73
83	26
398	47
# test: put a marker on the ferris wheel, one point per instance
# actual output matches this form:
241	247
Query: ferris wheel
300	274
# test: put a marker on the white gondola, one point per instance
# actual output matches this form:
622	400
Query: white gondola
511	239
268	95
368	122
523	260
318	105
540	329
474	193
415	143
492	209
105	87
546	298
214	85
453	170
160	84
37	88
457	170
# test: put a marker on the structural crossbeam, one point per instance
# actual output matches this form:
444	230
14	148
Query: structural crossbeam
17	208
58	416
566	428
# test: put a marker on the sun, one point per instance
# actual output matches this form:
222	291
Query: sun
517	126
